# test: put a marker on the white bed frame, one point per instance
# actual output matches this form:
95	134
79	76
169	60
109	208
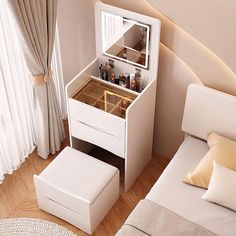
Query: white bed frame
208	110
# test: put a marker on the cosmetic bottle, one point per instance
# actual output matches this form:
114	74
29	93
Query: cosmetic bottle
113	78
127	78
117	80
103	71
107	69
111	70
123	81
100	71
137	78
133	85
132	81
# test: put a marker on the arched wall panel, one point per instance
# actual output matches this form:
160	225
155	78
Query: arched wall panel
211	22
173	80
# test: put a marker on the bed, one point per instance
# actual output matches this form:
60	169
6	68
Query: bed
206	110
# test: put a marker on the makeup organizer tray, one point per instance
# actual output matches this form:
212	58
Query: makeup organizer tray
105	97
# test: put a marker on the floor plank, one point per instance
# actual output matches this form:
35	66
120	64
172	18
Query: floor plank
18	199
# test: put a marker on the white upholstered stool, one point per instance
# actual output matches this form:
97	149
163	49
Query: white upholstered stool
78	188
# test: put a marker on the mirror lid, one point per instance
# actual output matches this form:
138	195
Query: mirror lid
124	39
154	24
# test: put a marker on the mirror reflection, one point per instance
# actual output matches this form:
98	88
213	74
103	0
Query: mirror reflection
125	39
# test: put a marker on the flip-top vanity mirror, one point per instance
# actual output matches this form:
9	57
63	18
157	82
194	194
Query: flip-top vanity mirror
125	39
111	102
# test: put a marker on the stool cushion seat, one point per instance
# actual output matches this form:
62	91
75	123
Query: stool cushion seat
77	188
80	174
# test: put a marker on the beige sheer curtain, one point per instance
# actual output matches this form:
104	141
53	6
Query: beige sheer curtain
36	21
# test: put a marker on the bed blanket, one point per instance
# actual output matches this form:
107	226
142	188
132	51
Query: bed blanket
148	218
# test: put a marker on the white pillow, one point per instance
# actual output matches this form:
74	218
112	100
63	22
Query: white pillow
222	187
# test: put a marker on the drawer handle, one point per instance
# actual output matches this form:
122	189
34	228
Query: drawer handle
96	128
57	203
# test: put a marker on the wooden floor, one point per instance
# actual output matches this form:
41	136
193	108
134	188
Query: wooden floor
18	199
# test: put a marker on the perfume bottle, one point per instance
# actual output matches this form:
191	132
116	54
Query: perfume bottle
137	78
132	82
106	72
122	81
127	79
113	78
100	71
110	70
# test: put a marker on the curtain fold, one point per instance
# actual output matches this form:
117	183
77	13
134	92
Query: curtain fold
17	137
36	22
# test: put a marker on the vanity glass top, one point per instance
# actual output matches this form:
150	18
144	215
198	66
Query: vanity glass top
105	97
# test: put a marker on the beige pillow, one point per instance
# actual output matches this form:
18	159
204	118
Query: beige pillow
222	150
222	187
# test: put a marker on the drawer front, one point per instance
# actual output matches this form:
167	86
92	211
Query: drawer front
64	213
97	137
96	118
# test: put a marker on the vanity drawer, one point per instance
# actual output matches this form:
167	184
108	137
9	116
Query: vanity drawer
97	137
97	119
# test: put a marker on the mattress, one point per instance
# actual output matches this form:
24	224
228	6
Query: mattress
185	200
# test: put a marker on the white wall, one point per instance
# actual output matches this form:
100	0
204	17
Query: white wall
77	35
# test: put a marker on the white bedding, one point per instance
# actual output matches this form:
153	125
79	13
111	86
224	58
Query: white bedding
185	200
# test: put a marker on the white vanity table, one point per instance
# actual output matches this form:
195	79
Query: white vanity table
110	116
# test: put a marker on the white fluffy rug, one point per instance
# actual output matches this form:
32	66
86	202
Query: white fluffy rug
32	227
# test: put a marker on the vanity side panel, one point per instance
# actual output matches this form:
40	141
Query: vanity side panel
78	81
139	134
